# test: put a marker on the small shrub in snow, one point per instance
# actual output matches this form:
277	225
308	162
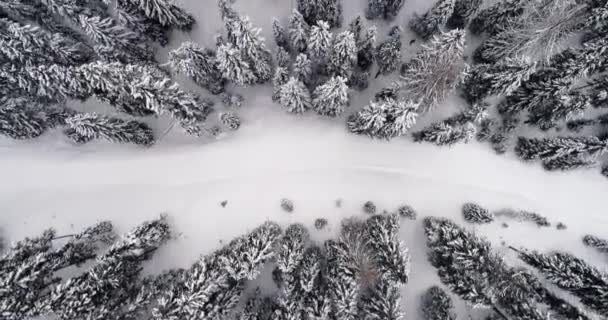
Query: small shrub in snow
232	100
475	213
359	80
369	207
437	305
230	120
407	212
443	134
287	205
597	243
561	226
524	216
321	223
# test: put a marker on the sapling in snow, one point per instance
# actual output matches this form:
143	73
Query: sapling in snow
596	243
230	120
281	76
475	213
302	68
444	134
281	37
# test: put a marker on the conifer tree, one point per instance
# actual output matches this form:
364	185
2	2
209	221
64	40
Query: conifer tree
388	54
290	252
597	243
342	276
309	271
281	37
431	22
359	80
434	72
320	41
384	119
329	11
437	305
567	106
502	139
574	275
356	27
251	45
198	64
561	152
230	120
501	78
233	67
381	302
86	127
132	18
475	213
464	11
385	9
494	19
163	12
366	49
302	68
331	98
101	291
282	57
295	97
389	255
298	32
21	118
281	77
444	134
343	55
595	25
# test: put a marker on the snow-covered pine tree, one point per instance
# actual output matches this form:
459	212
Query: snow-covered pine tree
444	134
381	302
539	33
84	127
385	9
251	45
102	290
359	80
572	274
596	24
22	118
486	129
561	72
384	119
495	18
343	55
230	120
432	21
464	11
290	251
561	150
356	27
24	291
132	18
501	78
281	37
309	271
569	163
233	67
366	49
596	243
475	213
570	105
388	254
282	58
329	11
598	90
436	71
302	68
298	32
502	138
319	42
24	43
295	96
388	54
474	113
281	77
164	12
342	280
331	98
198	64
437	305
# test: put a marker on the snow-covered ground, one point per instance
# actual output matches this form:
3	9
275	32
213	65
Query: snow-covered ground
309	159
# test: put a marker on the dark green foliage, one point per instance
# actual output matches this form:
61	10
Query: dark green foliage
437	305
549	114
475	213
24	119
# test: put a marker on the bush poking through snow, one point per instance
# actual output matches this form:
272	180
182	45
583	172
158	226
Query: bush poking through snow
561	226
597	243
443	134
369	207
232	100
230	120
407	212
385	119
321	223
437	305
475	213
287	205
524	216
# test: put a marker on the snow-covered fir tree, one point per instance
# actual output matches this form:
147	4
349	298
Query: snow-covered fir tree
565	107
437	305
475	213
84	127
198	64
290	251
502	138
319	42
331	98
561	152
356	27
294	96
496	18
309	271
281	37
343	55
474	113
464	11
434	72
233	67
385	9
132	18
596	24
302	68
524	216
384	119
101	291
432	21
281	76
596	243
444	134
359	80
388	55
230	120
314	11
501	78
22	118
388	254
165	12
381	302
299	32
366	49
342	280
538	33
572	274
